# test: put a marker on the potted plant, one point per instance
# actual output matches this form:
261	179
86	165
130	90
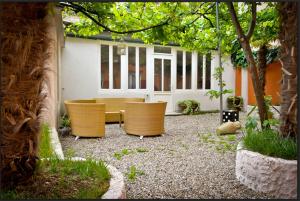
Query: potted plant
266	161
235	103
64	128
189	106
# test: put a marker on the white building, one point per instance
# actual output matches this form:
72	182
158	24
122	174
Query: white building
100	67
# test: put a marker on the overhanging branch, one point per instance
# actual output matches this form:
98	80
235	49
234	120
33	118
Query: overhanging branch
106	28
253	21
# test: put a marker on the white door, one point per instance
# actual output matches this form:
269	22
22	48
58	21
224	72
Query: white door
162	81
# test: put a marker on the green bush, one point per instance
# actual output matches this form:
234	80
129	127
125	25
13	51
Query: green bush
269	142
65	121
189	106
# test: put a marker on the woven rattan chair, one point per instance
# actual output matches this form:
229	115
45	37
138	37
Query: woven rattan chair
114	105
87	117
144	119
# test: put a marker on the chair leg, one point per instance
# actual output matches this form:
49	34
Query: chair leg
76	138
141	137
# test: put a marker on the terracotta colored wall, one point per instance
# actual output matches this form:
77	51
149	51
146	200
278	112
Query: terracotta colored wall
238	81
272	88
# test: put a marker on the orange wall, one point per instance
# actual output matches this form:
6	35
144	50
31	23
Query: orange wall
272	88
238	81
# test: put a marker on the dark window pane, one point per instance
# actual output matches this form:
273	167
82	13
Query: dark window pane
179	70
167	75
116	69
160	49
188	70
142	59
104	66
157	74
207	71
200	71
131	68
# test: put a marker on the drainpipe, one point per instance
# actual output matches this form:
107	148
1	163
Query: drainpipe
220	63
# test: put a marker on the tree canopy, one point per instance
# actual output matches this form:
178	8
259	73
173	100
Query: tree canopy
191	25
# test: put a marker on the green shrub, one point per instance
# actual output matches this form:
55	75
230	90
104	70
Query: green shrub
269	142
65	121
189	106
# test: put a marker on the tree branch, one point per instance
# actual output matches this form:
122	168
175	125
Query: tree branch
253	21
83	11
235	21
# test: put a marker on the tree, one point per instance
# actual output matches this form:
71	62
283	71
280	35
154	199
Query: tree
23	45
189	24
245	43
288	59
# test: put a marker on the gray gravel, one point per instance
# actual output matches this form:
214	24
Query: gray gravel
178	164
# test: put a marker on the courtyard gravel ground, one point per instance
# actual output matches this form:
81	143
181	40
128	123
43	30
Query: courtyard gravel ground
188	161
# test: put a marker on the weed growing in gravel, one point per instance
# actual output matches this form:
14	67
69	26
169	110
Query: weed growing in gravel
133	173
141	150
70	153
220	143
123	152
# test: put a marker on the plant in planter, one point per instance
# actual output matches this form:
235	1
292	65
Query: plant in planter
272	156
189	106
235	103
64	128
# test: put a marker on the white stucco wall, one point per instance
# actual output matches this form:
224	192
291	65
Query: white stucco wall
80	75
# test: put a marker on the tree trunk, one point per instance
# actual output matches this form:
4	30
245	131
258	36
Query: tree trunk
23	47
245	43
262	65
288	59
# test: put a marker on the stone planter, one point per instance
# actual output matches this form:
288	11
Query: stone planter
261	173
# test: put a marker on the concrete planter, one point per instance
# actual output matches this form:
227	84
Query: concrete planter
261	173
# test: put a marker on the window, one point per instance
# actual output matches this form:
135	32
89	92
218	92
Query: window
160	49
207	71
162	75
157	74
204	79
200	72
188	70
116	69
131	68
142	62
104	66
179	70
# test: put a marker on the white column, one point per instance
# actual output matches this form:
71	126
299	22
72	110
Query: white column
183	69
194	70
124	70
110	67
137	68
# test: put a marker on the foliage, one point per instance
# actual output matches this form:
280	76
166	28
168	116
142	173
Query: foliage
214	93
269	142
239	60
45	148
65	121
220	143
67	179
189	106
133	173
235	102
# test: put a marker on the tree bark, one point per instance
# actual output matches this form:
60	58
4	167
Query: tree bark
288	59
23	46
262	65
245	43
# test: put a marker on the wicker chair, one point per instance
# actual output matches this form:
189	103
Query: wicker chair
144	119
87	117
114	105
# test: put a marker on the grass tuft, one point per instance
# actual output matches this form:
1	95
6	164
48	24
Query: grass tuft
270	143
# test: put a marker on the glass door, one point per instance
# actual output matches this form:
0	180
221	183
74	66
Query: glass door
162	75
